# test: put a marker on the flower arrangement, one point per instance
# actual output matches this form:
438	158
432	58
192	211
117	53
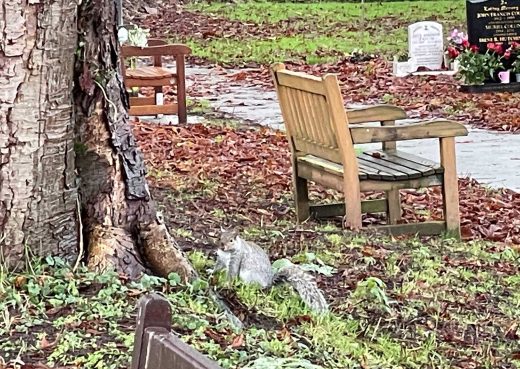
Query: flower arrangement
513	55
475	67
457	43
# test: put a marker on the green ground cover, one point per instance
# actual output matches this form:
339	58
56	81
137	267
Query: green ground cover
415	308
395	303
317	32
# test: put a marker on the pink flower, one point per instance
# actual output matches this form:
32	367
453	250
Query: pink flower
507	54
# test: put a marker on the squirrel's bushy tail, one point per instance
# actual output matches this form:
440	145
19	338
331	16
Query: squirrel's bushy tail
305	285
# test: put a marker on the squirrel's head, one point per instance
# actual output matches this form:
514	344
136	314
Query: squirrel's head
227	237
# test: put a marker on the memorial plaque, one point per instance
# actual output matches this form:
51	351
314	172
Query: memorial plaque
425	44
493	21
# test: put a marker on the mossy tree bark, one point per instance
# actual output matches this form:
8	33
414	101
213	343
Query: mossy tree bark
66	144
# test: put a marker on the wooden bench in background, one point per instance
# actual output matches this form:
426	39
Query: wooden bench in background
157	76
322	145
155	346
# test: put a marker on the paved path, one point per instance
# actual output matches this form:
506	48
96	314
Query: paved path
492	158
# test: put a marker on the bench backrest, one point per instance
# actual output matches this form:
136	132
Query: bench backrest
156	347
315	119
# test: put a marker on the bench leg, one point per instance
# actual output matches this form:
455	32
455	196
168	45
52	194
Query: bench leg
301	195
393	206
181	90
450	187
301	199
158	90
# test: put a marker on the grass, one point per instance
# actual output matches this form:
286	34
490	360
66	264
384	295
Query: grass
261	12
401	316
321	32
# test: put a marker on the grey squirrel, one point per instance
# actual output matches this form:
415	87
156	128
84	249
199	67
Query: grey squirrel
249	262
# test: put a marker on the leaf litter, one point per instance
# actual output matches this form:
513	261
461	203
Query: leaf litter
247	171
207	175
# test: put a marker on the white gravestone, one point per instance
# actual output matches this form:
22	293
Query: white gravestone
426	44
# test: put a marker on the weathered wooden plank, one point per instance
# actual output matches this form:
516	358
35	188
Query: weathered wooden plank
374	113
387	173
307	147
389	145
373	173
140	101
301	81
325	123
398	157
167	351
172	49
422	229
450	187
156	347
323	177
351	173
297	121
374	185
420	160
338	209
425	129
153	109
301	194
394	206
326	165
408	172
135	82
314	119
291	128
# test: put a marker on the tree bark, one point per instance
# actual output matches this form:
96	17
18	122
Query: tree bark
37	181
65	133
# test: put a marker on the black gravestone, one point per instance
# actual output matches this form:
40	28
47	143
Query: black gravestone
493	21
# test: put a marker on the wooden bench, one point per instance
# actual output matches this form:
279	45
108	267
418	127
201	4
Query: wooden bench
156	347
322	145
157	76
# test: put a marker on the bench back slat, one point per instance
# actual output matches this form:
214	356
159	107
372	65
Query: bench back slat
305	108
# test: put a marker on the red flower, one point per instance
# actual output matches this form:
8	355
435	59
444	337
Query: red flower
496	48
474	48
515	45
465	44
507	54
453	52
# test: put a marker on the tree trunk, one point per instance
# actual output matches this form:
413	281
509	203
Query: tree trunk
66	144
37	181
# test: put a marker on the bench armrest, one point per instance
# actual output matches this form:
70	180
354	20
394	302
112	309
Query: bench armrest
424	129
374	113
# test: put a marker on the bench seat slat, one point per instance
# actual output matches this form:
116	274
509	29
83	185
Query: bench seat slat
399	170
423	165
388	166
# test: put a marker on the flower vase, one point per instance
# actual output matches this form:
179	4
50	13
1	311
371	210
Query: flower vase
504	76
447	63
